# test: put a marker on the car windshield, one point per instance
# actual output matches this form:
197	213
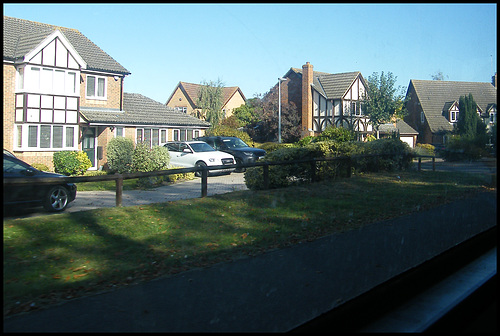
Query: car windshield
235	143
201	147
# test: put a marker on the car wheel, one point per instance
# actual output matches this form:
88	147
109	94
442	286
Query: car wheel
200	164
56	199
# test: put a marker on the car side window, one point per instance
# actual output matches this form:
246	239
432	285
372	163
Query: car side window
173	147
182	147
10	166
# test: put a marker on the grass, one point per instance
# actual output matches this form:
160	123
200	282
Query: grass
48	259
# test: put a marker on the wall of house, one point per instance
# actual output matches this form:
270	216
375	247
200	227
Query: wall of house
114	92
179	99
235	102
9	82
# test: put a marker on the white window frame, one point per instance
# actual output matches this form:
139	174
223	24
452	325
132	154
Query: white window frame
96	86
116	131
21	143
27	81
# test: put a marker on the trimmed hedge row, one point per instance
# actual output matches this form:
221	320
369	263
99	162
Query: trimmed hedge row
385	155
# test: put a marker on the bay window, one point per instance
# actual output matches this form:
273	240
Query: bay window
46	137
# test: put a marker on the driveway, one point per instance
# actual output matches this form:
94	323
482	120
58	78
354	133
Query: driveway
87	200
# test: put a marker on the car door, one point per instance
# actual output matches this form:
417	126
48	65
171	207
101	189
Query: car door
173	150
13	168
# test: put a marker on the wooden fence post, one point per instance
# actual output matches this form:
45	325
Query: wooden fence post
204	182
265	176
313	170
119	190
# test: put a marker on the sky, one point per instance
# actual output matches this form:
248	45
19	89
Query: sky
251	45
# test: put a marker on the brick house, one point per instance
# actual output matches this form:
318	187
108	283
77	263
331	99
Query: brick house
185	96
433	106
62	92
324	99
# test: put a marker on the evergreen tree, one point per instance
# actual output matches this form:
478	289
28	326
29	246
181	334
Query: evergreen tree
467	123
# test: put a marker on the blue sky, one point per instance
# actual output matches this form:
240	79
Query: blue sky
251	45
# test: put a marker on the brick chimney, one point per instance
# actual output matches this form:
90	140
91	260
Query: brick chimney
307	79
494	80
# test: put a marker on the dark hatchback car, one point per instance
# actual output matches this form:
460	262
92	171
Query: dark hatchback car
53	197
242	153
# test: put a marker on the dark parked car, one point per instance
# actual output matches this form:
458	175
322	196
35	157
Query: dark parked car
236	147
53	197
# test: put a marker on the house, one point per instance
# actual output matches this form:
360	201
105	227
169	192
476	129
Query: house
406	132
324	99
63	92
433	106
185	96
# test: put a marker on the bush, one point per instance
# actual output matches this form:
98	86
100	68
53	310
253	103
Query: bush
40	166
71	162
338	134
281	175
119	155
222	130
399	155
145	159
425	149
460	148
177	177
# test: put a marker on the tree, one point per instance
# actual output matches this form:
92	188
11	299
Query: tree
265	126
438	76
467	117
469	124
384	102
210	101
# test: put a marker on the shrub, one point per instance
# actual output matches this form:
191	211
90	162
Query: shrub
281	175
338	134
40	166
71	162
399	155
460	148
145	159
425	149
119	155
223	130
180	176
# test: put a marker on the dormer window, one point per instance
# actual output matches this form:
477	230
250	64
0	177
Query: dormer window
453	116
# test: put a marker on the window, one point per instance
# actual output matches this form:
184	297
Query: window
119	132
181	109
422	117
46	137
47	80
152	136
96	87
176	135
454	116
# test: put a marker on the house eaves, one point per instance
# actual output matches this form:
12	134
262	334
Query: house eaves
22	36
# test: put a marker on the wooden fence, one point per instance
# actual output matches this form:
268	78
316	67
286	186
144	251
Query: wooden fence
118	178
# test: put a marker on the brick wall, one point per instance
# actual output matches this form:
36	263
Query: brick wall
9	80
114	93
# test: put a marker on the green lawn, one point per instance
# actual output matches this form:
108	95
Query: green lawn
52	258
